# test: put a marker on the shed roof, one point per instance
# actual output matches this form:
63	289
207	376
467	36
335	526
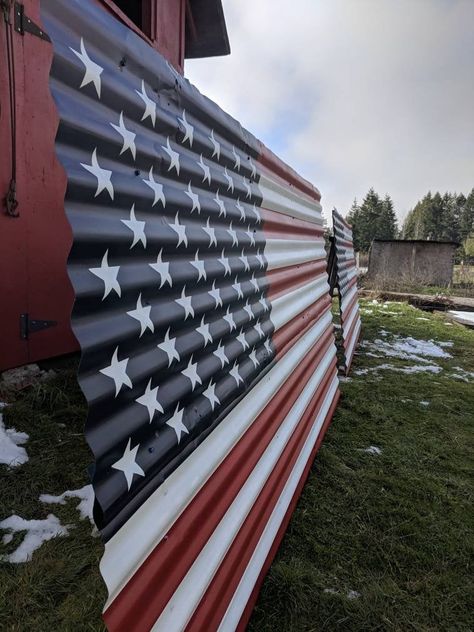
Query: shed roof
206	31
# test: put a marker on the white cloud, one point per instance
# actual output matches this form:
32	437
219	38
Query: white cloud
354	93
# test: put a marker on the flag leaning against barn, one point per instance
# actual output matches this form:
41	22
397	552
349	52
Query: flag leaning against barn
345	279
203	314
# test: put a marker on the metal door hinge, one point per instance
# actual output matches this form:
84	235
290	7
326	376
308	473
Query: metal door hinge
23	24
30	326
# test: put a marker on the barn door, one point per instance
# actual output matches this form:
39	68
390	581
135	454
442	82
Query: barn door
36	298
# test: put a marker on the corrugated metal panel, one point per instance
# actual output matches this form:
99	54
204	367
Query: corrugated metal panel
346	278
203	313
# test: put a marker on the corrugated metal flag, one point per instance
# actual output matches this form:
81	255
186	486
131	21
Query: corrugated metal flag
203	314
346	281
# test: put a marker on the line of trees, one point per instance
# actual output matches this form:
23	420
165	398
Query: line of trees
448	217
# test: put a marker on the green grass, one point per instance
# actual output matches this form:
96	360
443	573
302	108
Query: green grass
396	528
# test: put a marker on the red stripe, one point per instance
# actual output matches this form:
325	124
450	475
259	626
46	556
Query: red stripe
286	336
284	525
283	280
286	174
141	601
215	602
279	226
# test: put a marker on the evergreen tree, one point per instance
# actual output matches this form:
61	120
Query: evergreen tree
466	217
387	223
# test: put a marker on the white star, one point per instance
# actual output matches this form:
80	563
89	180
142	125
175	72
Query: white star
137	227
253	357
230	319
248	309
127	463
103	175
254	282
263	303
108	274
117	370
191	373
241	209
174	156
242	340
163	269
169	347
225	262
238	288
259	330
245	260
185	303
216	294
257	214
199	265
250	234
236	158
260	259
156	187
142	314
233	234
211	395
211	233
150	106
205	169
127	136
149	399
180	230
230	182
248	188
203	330
220	353
220	204
194	199
234	372
253	168
176	422
93	70
216	145
267	345
188	130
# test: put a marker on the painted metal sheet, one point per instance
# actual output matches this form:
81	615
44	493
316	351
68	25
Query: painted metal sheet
203	314
346	282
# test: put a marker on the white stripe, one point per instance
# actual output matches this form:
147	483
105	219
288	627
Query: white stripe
132	544
247	582
286	200
281	253
189	593
348	298
350	349
289	305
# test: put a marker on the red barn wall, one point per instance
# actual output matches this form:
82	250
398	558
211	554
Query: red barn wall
35	245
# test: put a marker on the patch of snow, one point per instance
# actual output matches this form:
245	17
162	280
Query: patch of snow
406	399
430	368
384	332
448	324
463	317
331	591
407	349
447	343
374	301
11	452
385	305
344	378
424	403
37	532
353	594
85	495
462	374
373	449
421	318
7	538
366	311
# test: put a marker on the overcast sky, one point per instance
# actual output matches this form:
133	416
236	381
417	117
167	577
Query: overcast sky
354	93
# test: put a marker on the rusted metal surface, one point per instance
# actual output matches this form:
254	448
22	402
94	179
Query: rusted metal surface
346	281
203	313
